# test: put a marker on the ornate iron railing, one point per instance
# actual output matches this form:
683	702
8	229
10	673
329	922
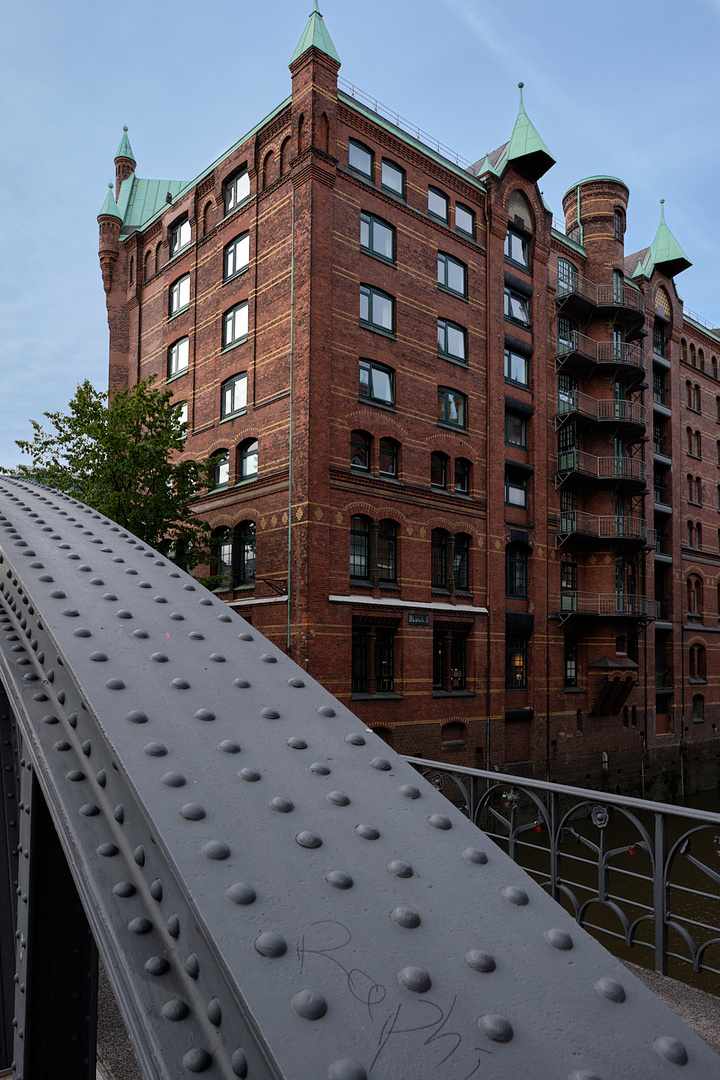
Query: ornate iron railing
637	874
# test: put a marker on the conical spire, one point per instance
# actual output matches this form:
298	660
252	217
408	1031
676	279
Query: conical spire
110	207
125	149
665	252
315	35
526	149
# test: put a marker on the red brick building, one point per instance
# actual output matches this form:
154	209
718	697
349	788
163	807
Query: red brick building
469	470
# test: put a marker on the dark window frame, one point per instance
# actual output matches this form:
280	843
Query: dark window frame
231	250
446	264
355	144
371	293
445	328
371	222
444	395
233	189
229	387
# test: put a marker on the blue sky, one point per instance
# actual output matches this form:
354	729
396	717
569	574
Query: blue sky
625	88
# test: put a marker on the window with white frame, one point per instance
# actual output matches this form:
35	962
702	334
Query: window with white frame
438	204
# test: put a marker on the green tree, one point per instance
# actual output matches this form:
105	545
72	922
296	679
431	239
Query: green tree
122	457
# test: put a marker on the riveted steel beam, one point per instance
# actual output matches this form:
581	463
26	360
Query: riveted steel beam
273	891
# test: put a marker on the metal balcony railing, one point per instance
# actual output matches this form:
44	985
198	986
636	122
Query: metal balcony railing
600	352
614	295
601	468
639	875
634	605
605	526
601	409
620	296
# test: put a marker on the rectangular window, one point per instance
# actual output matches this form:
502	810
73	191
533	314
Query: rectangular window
515	430
570	663
393	177
515	490
178	357
388	457
464	219
658	337
451	407
237	189
237	256
517	368
360	158
235	324
377	236
377	383
452	274
377	309
182	412
517	248
515	663
387	551
516	571
359	547
452	340
180	236
180	294
517	307
461	562
233	395
373	660
438	204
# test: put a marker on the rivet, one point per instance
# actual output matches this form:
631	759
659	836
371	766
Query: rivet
136	716
189	588
109	596
270	944
101	778
140	634
610	989
89	810
61	746
238	1063
160	599
107	850
320	768
192	966
197	1060
269	714
241	893
217	658
479	960
81	632
250	774
115	684
308	839
72	613
180	684
159	657
496	1027
144	585
205	602
98	657
440	821
671	1049
559	939
123	613
367	832
216	849
296	743
399	868
268	658
515	895
140	926
405	916
296	682
281	804
355	740
214	1012
338	798
173	779
415	978
245	636
173	926
309	1004
346	1069
326	710
49	719
409	791
339	879
204	714
177	617
241	683
224	618
124	889
175	1009
229	746
474	855
156	749
75	776
193	812
381	763
139	855
156	890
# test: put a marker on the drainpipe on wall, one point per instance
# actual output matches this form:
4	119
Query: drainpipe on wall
290	418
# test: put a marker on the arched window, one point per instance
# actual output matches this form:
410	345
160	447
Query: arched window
453	736
359	546
284	155
567	277
697	662
698	708
701	360
208	218
132	269
388	455
683	350
248	459
148	266
269	169
714	367
158	255
237	188
461	562
694	595
690	534
689	394
617	282
222	558
360	447
245	553
619	224
698	535
221	471
387	551
462	476
519	211
516	570
693	356
438	469
438	558
696	398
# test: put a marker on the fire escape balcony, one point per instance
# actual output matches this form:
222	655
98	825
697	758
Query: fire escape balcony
581	355
580	525
615	605
626	301
626	473
580	298
629	416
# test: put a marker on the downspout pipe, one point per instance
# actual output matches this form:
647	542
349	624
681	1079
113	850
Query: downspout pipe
290	419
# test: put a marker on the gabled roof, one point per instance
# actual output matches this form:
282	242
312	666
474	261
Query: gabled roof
525	149
663	254
110	207
125	149
315	35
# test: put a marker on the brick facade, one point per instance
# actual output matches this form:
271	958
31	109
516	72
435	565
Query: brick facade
485	446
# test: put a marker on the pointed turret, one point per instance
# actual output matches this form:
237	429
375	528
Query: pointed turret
526	149
315	36
124	161
109	220
665	252
110	207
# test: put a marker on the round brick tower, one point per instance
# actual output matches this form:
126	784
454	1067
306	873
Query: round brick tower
597	209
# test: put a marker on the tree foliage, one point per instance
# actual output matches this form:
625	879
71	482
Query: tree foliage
122	458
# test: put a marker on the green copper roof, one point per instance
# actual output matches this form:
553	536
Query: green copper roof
315	35
125	149
110	207
139	200
526	148
665	251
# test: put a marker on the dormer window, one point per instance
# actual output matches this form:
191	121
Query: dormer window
180	236
517	248
237	189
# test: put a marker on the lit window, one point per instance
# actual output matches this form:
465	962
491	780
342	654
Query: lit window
245	552
180	294
360	450
377	309
377	236
237	256
515	490
388	455
464	219
377	383
235	324
221	471
517	248
451	407
180	236
178	357
515	663
393	177
360	158
517	307
248	459
438	204
517	368
515	430
233	395
452	340
452	274
237	189
462	476
438	469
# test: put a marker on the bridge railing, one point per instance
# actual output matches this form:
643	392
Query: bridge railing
637	874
